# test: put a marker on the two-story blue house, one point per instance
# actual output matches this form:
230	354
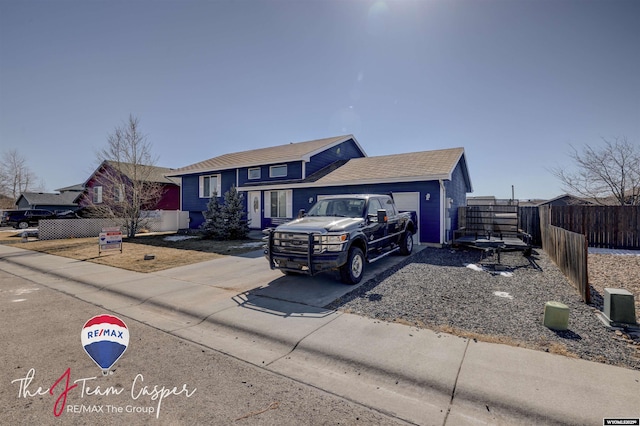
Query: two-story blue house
279	181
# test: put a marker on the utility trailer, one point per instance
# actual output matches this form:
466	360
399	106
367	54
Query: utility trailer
492	227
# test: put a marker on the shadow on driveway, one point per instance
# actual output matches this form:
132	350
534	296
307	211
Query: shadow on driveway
296	294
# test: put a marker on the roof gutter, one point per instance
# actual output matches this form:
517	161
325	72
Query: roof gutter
321	184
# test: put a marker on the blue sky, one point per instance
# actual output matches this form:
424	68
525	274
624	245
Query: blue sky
513	82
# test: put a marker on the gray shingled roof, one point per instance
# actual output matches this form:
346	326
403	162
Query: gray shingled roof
145	173
77	187
256	157
412	166
44	198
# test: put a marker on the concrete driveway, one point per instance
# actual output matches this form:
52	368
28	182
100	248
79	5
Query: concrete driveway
249	276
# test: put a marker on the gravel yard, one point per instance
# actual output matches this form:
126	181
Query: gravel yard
456	291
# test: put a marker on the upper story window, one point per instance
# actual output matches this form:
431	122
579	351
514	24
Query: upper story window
254	173
278	171
209	185
97	195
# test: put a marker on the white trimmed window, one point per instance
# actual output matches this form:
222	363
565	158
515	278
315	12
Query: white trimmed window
278	171
280	204
254	173
118	193
209	185
97	195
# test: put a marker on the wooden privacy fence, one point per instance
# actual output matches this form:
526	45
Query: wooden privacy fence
605	226
569	251
529	222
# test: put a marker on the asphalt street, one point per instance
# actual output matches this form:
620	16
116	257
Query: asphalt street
47	378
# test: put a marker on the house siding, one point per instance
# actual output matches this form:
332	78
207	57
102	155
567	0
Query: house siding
429	196
343	151
170	198
294	171
191	200
430	213
456	190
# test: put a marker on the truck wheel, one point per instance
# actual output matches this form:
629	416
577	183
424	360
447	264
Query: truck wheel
406	245
23	225
352	271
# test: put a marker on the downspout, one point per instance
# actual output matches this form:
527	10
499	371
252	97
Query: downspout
443	199
180	192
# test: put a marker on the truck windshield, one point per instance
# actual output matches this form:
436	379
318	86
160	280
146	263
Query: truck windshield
342	207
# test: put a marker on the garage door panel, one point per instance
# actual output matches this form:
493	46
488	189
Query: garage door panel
408	201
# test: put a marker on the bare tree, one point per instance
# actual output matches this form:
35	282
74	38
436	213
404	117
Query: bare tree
128	179
604	174
15	176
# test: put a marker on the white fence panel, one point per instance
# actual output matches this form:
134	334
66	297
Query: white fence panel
166	220
57	229
154	221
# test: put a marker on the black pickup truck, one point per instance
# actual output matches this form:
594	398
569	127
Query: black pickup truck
343	232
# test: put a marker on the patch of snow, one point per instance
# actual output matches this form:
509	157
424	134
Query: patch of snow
503	294
474	267
479	268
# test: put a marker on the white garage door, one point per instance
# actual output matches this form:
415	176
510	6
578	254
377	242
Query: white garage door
408	201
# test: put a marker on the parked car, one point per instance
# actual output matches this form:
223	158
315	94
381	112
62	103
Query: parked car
22	219
4	216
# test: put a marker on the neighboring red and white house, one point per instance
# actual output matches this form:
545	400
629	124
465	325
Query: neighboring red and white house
100	188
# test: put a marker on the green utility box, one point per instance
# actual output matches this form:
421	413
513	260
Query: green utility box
556	316
619	306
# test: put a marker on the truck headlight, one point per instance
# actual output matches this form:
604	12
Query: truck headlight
332	242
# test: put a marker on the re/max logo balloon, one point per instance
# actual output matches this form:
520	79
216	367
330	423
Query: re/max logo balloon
105	338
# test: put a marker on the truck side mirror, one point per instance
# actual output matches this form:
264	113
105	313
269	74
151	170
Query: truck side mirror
382	216
302	213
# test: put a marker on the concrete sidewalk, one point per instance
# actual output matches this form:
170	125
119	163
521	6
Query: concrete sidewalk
235	305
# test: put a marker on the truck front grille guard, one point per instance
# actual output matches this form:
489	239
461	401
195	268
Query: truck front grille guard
309	253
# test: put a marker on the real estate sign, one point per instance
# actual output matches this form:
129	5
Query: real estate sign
110	239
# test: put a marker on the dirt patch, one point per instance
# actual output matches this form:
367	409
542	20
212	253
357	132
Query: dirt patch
614	271
168	250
